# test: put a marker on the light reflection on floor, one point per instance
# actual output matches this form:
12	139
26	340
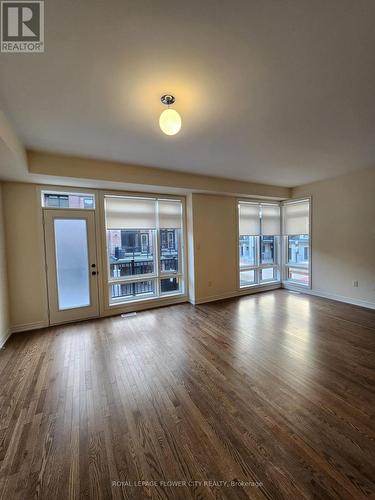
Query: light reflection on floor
260	317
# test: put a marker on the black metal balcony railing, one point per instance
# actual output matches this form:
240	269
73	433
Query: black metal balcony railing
131	268
137	267
133	252
133	289
139	288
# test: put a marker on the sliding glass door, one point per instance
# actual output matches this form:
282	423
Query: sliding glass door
144	248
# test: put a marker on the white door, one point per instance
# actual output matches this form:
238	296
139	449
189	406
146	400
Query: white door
72	272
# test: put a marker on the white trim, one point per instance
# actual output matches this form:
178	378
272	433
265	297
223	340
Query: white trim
29	326
331	296
7	335
238	293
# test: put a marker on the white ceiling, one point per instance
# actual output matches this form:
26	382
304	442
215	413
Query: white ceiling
280	92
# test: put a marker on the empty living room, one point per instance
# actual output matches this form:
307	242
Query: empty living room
187	249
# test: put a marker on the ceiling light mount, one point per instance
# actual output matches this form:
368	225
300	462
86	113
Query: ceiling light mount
168	99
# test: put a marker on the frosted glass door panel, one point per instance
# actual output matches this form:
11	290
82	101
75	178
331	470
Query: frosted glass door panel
72	264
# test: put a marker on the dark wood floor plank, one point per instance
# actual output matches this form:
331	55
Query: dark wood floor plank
275	388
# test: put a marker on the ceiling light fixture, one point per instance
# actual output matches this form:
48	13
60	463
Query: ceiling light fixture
170	120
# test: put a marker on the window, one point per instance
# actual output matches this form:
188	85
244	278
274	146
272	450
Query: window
298	249
68	200
268	274
129	254
138	289
169	250
168	285
247	278
144	248
248	255
298	275
296	231
145	245
267	249
259	228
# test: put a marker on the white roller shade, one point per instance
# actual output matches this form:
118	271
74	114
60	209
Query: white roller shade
296	217
130	213
249	219
270	220
170	214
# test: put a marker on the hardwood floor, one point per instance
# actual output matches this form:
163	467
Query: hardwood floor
273	391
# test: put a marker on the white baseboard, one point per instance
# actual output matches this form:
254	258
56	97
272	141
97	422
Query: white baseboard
3	340
236	293
332	296
28	326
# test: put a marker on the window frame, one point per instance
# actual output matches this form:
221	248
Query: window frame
67	192
257	268
179	295
285	265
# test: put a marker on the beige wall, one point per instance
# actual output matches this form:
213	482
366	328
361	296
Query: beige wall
24	245
212	251
4	318
103	172
343	236
215	246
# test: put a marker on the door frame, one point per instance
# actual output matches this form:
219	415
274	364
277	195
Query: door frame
57	316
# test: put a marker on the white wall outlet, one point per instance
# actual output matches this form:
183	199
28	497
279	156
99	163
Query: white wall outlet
355	284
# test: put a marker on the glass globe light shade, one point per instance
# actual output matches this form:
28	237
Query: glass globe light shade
170	122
